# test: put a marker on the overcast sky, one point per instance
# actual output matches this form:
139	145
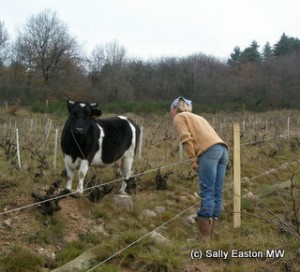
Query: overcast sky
156	28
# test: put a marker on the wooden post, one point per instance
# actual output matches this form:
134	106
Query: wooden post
55	149
47	130
181	153
288	128
236	176
141	142
18	148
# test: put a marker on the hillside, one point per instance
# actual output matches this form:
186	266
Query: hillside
154	232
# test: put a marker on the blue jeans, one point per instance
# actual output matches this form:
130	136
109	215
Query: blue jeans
212	167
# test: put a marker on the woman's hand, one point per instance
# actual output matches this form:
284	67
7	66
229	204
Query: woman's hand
195	167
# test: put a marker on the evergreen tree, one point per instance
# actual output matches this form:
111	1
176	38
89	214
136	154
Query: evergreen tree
267	52
234	57
286	45
251	53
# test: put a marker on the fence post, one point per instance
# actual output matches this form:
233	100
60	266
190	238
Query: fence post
236	176
181	153
141	142
55	149
18	148
288	128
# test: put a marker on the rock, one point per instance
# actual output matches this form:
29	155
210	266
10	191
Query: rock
194	197
46	253
124	202
157	238
149	214
5	209
251	196
190	220
7	223
159	209
73	216
183	198
99	228
80	263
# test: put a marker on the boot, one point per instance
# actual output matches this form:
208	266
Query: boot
204	226
214	223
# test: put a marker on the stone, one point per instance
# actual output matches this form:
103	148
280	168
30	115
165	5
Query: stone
158	238
190	220
124	202
149	214
7	223
159	209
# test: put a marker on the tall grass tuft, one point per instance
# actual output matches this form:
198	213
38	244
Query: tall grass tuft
21	260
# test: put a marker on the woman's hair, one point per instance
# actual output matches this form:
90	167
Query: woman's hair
182	104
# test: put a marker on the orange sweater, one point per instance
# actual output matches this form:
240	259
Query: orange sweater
196	134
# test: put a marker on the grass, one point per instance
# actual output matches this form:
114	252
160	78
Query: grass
71	251
21	260
260	229
52	232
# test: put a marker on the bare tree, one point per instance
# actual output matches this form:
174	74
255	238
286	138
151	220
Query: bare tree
4	46
107	59
45	45
111	53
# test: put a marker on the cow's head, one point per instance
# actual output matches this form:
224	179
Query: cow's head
82	115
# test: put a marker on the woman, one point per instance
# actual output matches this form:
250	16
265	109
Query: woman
209	156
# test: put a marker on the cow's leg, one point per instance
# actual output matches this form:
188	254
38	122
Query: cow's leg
70	171
126	169
83	168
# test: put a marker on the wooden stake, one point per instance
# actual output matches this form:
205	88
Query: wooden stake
55	149
236	176
141	142
288	128
181	153
18	149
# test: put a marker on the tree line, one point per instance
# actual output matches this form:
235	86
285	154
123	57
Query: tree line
45	62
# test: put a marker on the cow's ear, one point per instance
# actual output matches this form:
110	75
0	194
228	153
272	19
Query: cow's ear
70	104
93	105
96	113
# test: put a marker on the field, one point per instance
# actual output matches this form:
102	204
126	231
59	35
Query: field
154	232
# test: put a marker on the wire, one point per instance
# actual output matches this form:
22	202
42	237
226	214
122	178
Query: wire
269	139
92	187
147	234
142	237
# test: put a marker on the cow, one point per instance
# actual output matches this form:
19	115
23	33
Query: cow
88	140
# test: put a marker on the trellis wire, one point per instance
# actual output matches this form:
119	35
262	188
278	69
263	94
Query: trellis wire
92	187
168	221
163	224
49	125
142	237
120	179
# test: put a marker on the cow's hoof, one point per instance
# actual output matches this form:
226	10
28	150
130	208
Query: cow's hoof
77	194
65	192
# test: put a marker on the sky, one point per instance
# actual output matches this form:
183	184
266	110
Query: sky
151	29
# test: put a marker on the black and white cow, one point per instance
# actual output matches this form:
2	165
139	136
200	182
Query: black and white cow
88	141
